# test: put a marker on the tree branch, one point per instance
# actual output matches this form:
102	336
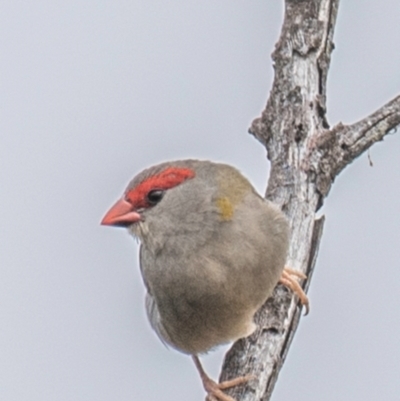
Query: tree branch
338	147
292	120
306	156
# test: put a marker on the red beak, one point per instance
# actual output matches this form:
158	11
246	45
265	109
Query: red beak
121	214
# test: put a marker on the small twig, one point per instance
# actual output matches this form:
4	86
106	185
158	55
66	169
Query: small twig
369	158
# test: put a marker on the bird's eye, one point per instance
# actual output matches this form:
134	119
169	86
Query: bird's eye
155	196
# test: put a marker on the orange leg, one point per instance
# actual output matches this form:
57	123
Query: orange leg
213	389
288	279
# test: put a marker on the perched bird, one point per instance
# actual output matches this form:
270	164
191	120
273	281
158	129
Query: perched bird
212	251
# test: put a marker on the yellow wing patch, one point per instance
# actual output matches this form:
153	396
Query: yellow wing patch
225	208
233	188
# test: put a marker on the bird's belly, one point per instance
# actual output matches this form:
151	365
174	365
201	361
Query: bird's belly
197	325
207	302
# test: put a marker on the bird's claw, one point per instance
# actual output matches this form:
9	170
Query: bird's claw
288	279
215	390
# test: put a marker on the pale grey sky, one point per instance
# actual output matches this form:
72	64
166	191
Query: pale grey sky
94	91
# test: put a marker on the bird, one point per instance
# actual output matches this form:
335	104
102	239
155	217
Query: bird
211	252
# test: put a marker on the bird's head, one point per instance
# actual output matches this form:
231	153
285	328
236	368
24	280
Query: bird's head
145	193
177	199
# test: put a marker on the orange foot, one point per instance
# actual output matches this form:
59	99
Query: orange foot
288	279
215	390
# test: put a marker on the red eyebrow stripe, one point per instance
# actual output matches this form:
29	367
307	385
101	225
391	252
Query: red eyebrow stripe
168	178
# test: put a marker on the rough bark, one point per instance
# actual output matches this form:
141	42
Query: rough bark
306	156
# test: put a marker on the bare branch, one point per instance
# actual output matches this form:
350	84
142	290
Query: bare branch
360	136
289	125
305	156
356	138
336	148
